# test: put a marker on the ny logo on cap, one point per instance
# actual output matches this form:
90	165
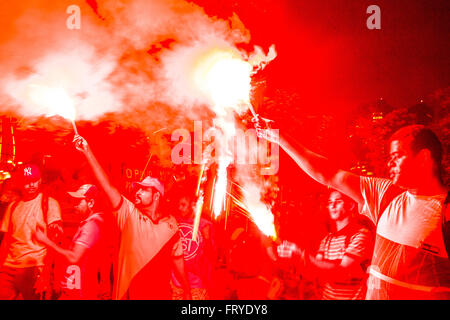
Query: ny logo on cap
27	171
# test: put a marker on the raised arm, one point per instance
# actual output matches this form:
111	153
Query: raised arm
323	170
111	192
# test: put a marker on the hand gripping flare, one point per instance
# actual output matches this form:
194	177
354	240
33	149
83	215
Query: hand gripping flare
263	129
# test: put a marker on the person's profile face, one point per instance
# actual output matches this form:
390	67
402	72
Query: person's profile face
143	197
81	206
401	164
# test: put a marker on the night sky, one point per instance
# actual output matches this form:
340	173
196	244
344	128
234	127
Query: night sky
326	54
330	58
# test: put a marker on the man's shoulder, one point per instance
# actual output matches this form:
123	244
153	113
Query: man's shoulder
51	207
382	189
170	222
376	181
52	201
126	203
203	222
170	219
360	231
44	197
24	202
96	218
126	209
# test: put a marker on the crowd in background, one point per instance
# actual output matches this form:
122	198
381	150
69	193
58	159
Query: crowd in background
239	264
148	245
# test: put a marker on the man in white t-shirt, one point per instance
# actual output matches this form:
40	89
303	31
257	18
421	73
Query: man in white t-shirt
150	245
25	265
410	260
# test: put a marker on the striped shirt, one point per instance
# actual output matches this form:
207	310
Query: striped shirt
354	241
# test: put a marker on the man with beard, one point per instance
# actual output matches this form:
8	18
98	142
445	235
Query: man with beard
22	271
410	259
150	243
82	259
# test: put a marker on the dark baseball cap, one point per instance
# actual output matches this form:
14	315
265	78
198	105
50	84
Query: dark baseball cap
29	173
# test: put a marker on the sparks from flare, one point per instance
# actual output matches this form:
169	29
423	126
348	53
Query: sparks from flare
220	187
200	200
259	213
198	212
224	76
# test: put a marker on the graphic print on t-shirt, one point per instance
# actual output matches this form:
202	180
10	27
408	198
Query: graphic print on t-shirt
190	246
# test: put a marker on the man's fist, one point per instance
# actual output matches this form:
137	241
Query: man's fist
287	249
55	231
264	130
80	143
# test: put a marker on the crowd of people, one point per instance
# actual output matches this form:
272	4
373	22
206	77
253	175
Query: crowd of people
387	238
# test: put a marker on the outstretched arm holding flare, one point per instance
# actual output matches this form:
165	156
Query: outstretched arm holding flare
111	192
115	199
322	170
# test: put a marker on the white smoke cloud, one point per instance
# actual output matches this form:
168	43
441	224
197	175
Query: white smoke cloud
105	66
78	73
133	64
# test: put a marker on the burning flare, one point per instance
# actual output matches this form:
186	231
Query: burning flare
52	101
220	188
224	77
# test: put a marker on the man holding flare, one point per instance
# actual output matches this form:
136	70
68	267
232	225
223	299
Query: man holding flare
149	241
410	259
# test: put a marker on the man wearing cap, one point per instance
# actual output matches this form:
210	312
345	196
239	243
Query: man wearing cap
150	243
22	258
83	257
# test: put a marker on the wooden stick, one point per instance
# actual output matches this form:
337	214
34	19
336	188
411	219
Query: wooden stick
75	127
